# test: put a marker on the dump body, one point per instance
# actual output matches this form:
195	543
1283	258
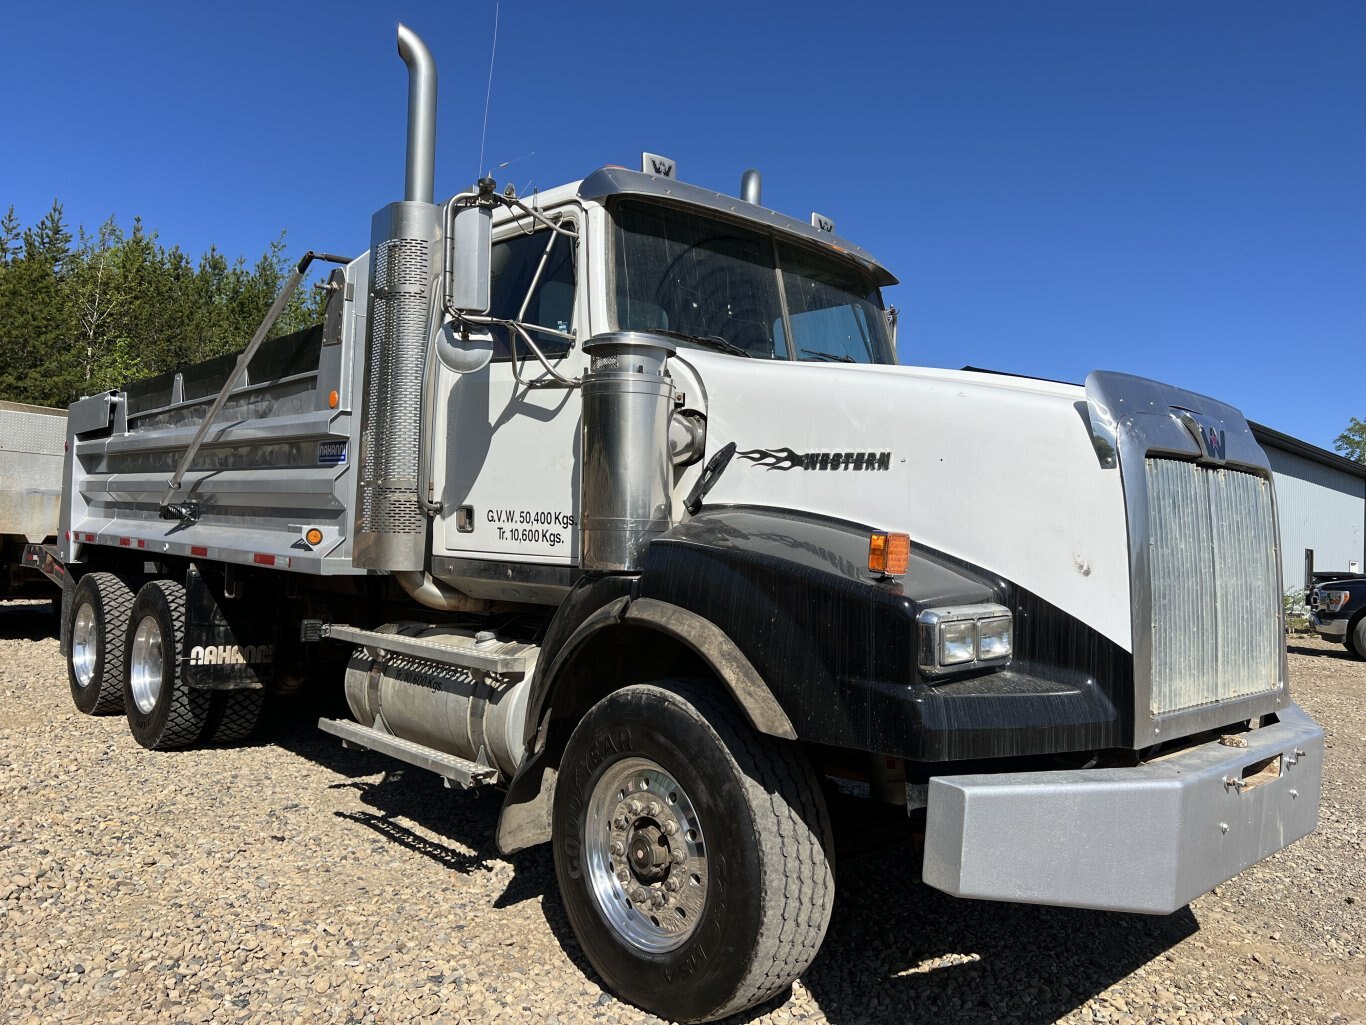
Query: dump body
278	462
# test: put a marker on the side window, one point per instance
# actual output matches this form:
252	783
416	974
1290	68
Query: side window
551	303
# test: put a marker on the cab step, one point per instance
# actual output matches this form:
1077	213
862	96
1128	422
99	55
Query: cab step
466	655
456	771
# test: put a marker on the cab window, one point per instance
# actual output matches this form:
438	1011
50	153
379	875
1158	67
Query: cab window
551	305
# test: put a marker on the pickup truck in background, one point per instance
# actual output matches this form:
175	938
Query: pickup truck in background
1337	609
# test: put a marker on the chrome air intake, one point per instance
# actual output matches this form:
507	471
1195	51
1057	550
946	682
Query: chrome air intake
391	527
627	469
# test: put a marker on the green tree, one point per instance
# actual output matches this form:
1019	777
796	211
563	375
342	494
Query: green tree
49	238
1352	442
10	232
95	297
35	320
121	306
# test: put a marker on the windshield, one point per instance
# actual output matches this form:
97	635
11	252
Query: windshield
723	286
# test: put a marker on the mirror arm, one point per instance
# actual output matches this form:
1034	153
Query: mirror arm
536	278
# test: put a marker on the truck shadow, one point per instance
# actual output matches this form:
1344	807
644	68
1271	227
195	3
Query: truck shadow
28	619
456	829
897	951
1334	652
926	956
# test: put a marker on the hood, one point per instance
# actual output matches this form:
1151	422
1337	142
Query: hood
998	471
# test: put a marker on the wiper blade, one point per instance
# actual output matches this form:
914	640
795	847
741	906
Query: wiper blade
832	356
706	341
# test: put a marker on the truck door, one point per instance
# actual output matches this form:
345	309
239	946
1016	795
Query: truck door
511	461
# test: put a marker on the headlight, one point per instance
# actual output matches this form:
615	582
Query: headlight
959	637
1334	600
993	638
957	643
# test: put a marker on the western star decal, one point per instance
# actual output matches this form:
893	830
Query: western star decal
788	459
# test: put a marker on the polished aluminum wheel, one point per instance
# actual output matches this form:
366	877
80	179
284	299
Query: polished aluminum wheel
646	855
145	664
85	645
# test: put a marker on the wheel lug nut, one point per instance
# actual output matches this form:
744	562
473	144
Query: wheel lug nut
638	895
634	807
623	874
677	856
671	885
670	828
618	848
621	822
652	808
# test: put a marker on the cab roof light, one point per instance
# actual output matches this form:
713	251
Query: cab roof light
889	553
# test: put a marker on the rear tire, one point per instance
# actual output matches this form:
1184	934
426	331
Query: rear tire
693	854
163	711
233	715
98	620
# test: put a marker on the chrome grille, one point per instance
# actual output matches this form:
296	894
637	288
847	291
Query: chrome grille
1215	594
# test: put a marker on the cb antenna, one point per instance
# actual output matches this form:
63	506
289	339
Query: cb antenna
493	52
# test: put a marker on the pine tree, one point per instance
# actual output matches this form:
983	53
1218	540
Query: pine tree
120	306
49	239
10	232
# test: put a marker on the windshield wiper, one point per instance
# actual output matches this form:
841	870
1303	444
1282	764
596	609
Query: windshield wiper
706	341
832	356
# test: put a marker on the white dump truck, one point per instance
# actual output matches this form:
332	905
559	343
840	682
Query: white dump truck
31	440
616	498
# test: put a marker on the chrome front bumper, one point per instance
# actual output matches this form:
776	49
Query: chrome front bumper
1329	629
1146	839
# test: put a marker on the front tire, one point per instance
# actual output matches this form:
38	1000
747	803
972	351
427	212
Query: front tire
164	712
98	620
1356	637
692	853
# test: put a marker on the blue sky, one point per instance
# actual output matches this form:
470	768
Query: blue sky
1166	188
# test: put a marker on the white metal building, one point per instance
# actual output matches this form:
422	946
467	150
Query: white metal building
1321	499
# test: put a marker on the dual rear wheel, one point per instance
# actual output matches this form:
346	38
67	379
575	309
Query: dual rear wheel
126	655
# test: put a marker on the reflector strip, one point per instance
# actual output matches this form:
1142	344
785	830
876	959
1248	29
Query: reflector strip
199	550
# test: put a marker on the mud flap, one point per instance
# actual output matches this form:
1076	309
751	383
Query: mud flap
230	642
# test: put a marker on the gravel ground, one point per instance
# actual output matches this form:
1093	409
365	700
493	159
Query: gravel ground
294	881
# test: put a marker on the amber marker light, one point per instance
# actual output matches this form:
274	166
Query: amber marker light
889	553
314	536
332	399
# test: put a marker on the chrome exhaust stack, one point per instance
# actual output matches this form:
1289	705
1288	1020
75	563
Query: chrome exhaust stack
391	524
751	186
421	166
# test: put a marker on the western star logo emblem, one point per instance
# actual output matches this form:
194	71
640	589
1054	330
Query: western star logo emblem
788	459
1213	441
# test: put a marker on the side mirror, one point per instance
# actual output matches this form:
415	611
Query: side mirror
469	252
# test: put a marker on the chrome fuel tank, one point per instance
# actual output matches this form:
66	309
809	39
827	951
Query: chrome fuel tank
467	712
